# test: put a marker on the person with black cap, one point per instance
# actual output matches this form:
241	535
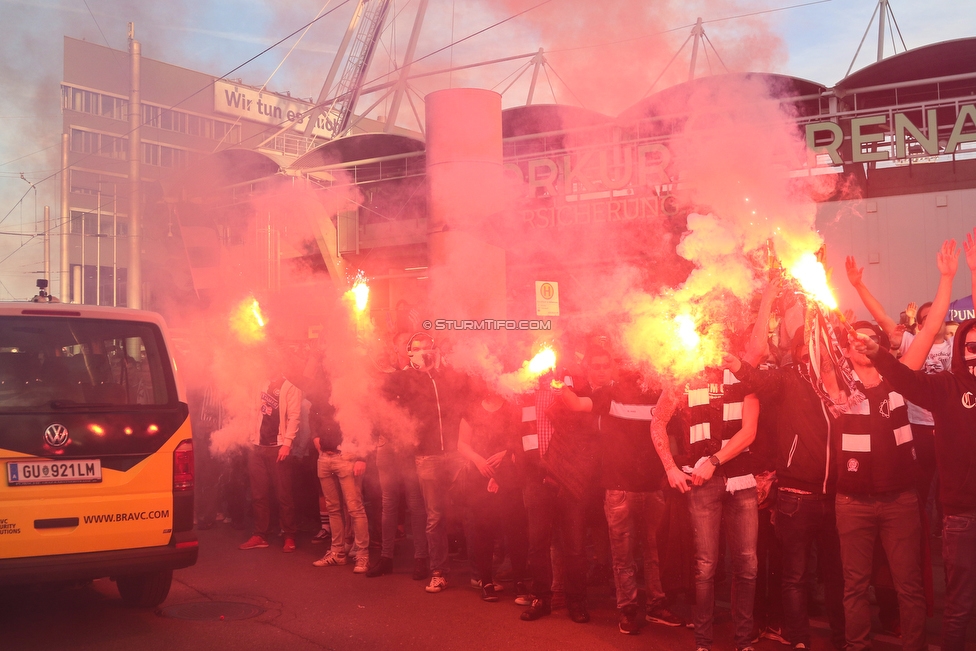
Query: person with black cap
949	395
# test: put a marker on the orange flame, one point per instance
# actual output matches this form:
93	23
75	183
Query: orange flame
544	361
248	322
812	276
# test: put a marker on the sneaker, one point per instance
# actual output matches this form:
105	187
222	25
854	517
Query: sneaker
331	559
289	545
362	564
476	584
437	582
627	621
385	566
774	633
324	535
663	615
421	569
800	646
537	610
254	542
488	593
578	612
522	596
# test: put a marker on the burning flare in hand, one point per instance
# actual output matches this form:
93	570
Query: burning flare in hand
360	294
812	276
543	362
248	322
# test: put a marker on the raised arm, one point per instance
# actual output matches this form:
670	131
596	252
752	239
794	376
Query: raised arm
970	246
666	406
856	276
758	345
947	260
572	401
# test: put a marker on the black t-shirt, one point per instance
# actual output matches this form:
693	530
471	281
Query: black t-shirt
270	413
630	462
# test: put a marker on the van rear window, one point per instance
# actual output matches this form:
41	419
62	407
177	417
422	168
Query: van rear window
61	363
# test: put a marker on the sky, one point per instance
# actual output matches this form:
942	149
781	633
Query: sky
603	60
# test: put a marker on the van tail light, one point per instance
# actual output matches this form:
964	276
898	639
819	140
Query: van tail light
183	466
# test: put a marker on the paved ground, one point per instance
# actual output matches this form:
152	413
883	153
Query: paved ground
304	607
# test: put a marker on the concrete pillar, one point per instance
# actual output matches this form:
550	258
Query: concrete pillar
465	191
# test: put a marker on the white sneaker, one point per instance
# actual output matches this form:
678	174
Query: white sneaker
362	564
437	582
331	559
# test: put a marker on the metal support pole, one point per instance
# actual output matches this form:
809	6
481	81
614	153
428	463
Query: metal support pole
47	243
401	87
697	32
538	61
115	244
882	14
314	114
65	269
98	245
134	278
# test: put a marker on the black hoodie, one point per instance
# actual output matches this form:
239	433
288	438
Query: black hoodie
951	397
803	452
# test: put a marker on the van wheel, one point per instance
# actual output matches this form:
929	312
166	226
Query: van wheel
145	590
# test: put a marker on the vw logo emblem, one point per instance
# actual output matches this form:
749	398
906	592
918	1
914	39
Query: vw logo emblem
56	435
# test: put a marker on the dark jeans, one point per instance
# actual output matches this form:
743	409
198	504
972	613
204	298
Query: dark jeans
490	516
801	522
741	510
398	472
436	473
550	510
860	520
267	474
634	519
959	553
768	611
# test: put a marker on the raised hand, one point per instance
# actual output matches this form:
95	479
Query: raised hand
732	362
970	247
854	274
911	310
948	258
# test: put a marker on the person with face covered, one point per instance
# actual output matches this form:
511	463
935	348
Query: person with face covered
428	393
951	397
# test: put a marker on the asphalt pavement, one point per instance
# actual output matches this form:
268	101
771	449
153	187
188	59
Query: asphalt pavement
266	599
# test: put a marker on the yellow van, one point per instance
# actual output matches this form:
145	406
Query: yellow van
96	452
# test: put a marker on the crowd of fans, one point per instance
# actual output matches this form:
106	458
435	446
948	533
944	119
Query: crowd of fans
808	460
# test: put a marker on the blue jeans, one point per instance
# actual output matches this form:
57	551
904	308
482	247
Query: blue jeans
398	471
801	521
895	517
741	509
436	473
959	553
633	519
339	484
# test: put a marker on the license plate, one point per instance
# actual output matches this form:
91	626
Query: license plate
52	471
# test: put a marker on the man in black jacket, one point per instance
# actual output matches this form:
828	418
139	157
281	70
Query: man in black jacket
951	397
807	483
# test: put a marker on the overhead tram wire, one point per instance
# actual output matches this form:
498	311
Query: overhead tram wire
688	26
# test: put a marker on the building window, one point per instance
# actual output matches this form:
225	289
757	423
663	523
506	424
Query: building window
99	144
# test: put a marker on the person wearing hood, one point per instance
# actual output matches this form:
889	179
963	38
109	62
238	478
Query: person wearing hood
951	397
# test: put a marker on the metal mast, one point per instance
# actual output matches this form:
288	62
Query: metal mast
354	74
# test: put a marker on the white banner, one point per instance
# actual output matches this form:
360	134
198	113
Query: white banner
268	108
